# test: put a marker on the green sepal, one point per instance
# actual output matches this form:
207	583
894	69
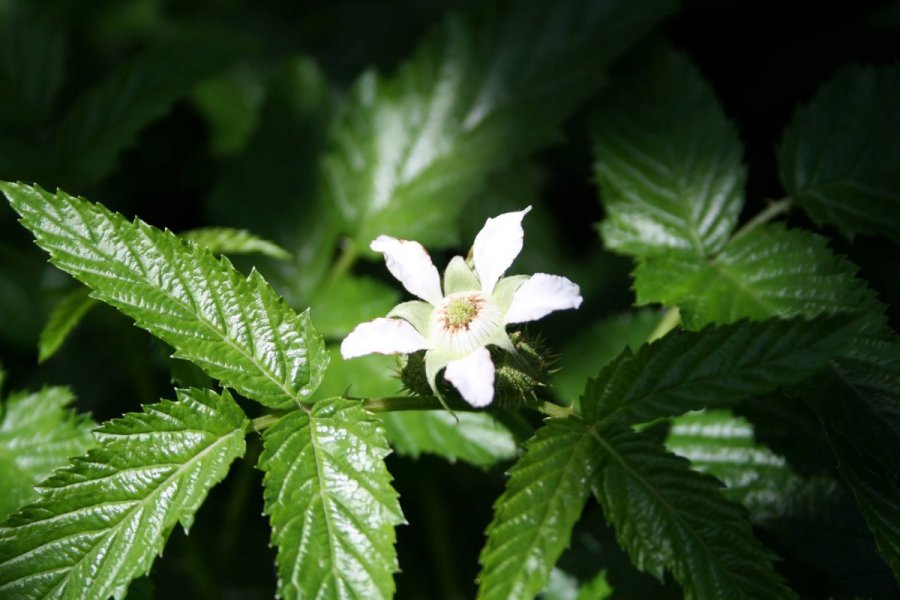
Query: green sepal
416	313
506	289
459	277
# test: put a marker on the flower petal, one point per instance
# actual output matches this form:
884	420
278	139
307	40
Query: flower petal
382	336
496	246
410	264
540	296
473	376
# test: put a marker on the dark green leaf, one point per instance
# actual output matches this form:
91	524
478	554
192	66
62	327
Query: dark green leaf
100	522
668	162
331	504
38	433
237	329
839	156
64	318
533	519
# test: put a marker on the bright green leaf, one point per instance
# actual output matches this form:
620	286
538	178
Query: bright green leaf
533	519
411	150
236	329
838	159
38	434
64	318
668	162
100	522
686	370
669	517
225	240
331	504
771	271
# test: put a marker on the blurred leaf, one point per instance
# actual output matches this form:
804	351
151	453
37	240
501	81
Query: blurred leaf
231	104
720	444
64	318
104	120
771	271
563	586
533	519
687	371
838	159
342	305
331	504
22	302
38	434
478	438
668	161
100	522
597	345
410	151
238	330
225	240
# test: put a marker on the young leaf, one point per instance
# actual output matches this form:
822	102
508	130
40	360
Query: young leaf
668	516
668	161
533	519
38	433
104	120
237	330
771	271
686	370
225	240
477	438
838	159
412	150
330	501
64	318
100	522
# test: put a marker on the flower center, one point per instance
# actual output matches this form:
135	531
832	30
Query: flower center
464	322
459	312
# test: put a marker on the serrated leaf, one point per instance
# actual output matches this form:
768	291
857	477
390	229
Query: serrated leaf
687	370
100	522
236	329
533	519
38	434
227	240
838	159
668	162
410	151
476	438
330	501
721	444
65	317
771	271
669	517
104	120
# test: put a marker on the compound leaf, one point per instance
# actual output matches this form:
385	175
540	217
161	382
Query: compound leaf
331	504
533	518
99	522
838	159
238	330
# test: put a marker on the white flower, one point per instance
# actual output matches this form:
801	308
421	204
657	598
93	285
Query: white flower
454	327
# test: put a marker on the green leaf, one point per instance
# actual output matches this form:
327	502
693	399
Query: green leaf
226	240
668	516
668	162
720	444
237	330
332	508
38	434
410	151
533	519
771	271
347	302
596	345
838	159
686	370
104	120
477	438
64	318
563	586
100	522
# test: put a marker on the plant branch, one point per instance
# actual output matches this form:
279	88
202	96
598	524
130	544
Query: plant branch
774	209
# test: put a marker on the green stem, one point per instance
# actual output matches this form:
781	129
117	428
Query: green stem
265	421
669	321
774	209
348	257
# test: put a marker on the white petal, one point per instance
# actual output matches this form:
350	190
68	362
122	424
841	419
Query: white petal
410	264
473	376
383	336
496	246
540	296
